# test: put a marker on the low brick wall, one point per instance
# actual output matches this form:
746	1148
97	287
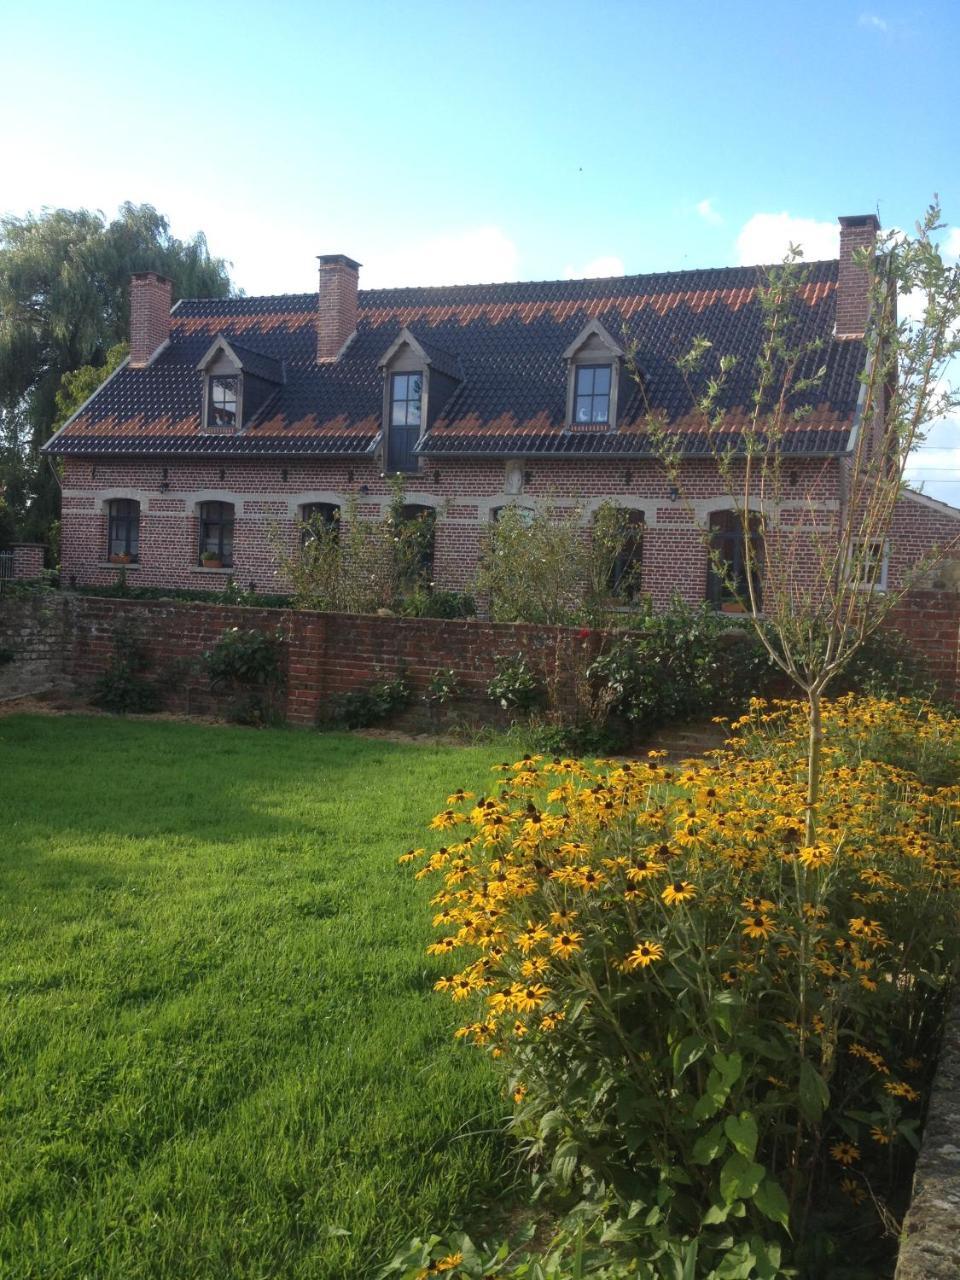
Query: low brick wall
930	619
34	644
930	1243
325	653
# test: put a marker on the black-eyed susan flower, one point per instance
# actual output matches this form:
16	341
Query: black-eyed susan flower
758	926
815	856
900	1089
530	997
642	869
845	1153
563	917
642	955
850	1187
566	944
678	891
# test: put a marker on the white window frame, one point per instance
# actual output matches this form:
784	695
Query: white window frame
881	583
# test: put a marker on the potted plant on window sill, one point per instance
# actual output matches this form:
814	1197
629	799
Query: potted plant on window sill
121	557
210	560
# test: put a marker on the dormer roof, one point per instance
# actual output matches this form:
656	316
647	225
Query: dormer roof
433	356
244	358
593	329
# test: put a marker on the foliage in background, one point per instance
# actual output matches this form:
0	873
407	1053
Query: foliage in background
542	565
249	664
516	686
360	708
685	662
122	687
64	305
717	1036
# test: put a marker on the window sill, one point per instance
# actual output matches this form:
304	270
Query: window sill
200	569
112	564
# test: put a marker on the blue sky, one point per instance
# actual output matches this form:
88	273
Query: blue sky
453	141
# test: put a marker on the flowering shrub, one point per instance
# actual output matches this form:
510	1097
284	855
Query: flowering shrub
717	1037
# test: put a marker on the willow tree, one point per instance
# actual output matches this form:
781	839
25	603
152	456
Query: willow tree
64	303
821	566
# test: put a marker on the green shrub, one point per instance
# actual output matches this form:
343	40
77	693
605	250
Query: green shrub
426	602
685	662
515	686
121	688
248	663
360	708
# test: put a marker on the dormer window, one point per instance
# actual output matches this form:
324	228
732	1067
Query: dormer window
237	383
591	396
418	380
406	394
594	369
224	397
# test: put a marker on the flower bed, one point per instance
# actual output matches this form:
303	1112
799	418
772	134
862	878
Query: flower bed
718	1037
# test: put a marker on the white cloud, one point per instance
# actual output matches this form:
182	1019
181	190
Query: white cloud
873	21
952	246
476	255
708	213
595	269
766	237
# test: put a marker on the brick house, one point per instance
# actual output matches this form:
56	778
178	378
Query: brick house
234	418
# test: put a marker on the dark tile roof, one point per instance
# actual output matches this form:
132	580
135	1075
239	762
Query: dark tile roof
255	362
503	342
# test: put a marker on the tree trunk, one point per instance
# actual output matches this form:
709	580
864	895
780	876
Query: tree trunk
814	751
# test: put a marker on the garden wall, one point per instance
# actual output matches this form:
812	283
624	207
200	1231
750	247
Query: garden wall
329	653
34	642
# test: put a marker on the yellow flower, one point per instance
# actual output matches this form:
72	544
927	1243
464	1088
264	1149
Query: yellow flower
899	1089
526	999
845	1153
643	870
815	856
565	944
759	926
519	1093
883	1136
459	796
642	955
759	906
850	1187
563	917
678	891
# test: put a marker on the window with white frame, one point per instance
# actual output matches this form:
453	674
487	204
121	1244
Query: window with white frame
867	564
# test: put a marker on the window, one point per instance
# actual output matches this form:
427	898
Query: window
867	564
216	533
123	530
415	544
524	514
591	393
316	517
222	413
727	586
627	567
405	397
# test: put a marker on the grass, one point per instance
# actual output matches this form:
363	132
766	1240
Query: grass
220	1051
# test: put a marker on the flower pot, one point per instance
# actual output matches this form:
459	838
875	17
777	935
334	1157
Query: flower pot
212	564
118	558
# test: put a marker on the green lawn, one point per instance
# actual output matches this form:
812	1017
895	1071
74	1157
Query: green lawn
220	1054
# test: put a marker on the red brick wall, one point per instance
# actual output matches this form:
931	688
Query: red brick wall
333	653
27	560
267	493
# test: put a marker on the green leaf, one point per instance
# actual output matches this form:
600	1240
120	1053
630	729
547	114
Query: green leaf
712	1098
742	1132
687	1052
737	1263
814	1094
715	1214
740	1178
729	1065
772	1202
709	1145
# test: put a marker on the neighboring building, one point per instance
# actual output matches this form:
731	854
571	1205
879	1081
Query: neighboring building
233	418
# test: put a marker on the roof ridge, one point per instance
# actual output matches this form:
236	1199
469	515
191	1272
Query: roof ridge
506	284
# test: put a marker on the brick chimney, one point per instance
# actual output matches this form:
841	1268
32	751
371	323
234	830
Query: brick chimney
858	231
337	311
150	296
